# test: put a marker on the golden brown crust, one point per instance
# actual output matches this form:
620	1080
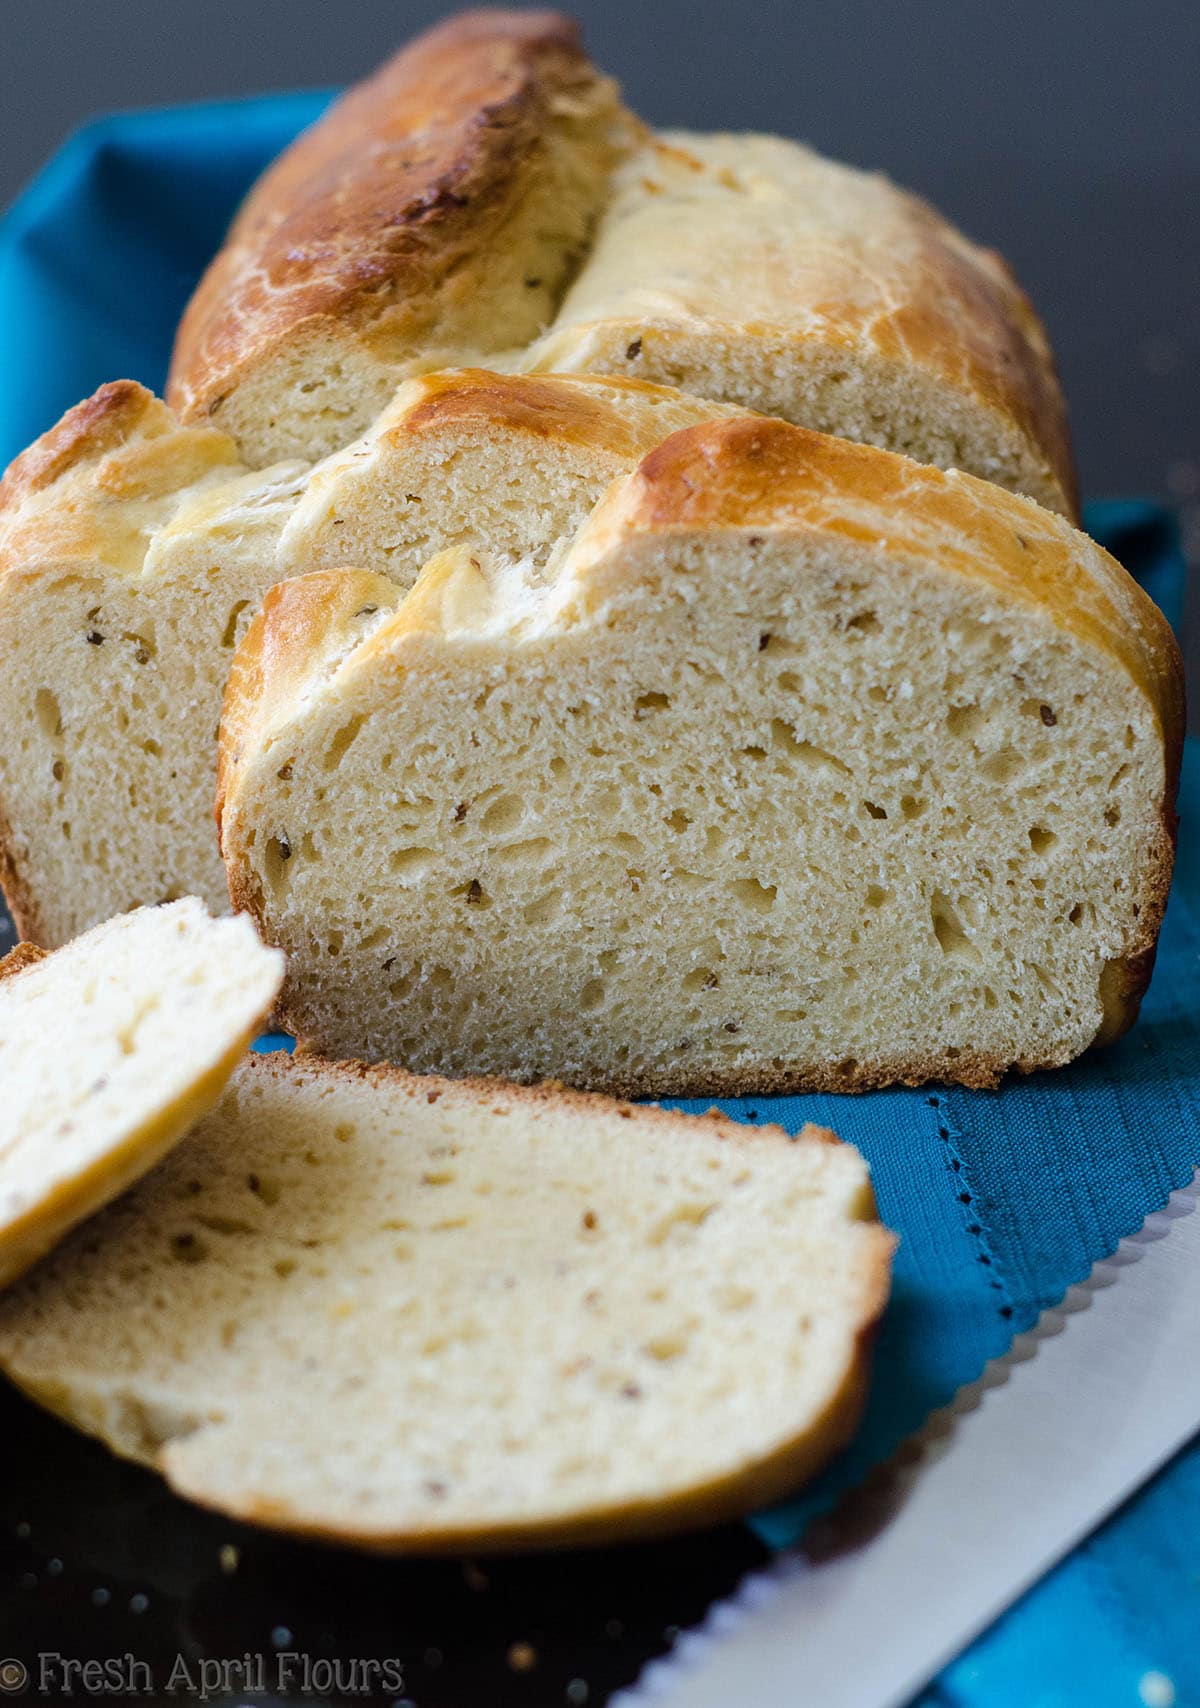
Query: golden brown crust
756	1485
607	413
101	423
360	222
16	961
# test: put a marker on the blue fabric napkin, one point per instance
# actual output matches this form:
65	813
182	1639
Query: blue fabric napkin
1002	1199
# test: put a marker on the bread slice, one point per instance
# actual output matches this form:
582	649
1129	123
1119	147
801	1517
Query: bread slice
110	1050
134	553
749	268
439	207
810	767
423	1315
507	464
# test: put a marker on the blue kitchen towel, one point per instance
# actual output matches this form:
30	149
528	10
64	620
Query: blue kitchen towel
1003	1198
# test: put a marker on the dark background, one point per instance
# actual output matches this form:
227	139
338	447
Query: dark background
1066	133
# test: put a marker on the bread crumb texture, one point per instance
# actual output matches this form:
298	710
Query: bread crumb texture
109	1050
420	1314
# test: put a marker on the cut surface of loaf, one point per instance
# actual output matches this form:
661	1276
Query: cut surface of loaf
134	553
439	207
809	766
505	464
110	1049
749	268
505	1318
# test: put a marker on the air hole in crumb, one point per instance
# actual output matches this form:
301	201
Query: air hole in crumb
231	627
592	995
339	746
647	704
505	813
188	1248
279	853
948	929
866	622
964	721
665	1347
1076	914
1041	840
1112	817
410	863
874	811
911	806
678	821
543	908
759	898
49	713
702	978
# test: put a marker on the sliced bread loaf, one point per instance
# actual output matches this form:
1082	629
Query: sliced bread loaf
751	269
806	766
110	1049
413	1314
134	553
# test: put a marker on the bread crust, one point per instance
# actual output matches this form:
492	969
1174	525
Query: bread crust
351	235
101	423
18	959
607	413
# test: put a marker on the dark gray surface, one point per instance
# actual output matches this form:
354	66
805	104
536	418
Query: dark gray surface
1063	132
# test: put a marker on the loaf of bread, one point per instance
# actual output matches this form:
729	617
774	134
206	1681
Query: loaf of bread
134	553
441	206
749	268
487	185
803	766
110	1050
412	1314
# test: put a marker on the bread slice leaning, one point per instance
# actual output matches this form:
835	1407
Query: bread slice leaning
423	1315
110	1049
806	766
